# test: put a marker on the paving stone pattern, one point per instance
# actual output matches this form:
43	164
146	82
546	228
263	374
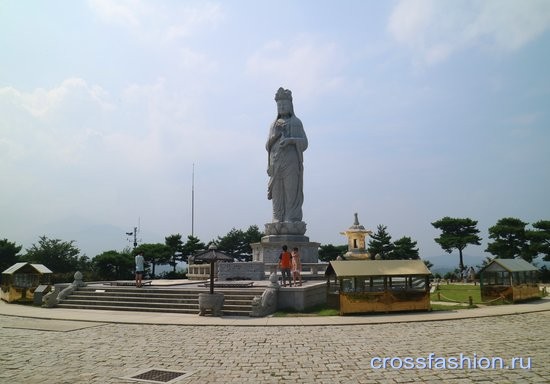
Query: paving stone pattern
298	354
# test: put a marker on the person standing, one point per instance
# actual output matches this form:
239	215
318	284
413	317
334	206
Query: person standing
285	263
140	268
285	146
296	267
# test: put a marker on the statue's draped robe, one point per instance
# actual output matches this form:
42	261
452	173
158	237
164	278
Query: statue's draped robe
286	171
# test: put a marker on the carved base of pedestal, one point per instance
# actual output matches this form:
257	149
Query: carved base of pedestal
212	302
286	228
269	249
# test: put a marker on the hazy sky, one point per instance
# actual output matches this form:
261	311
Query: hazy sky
414	110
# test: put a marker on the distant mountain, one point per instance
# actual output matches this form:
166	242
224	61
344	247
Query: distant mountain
449	262
90	237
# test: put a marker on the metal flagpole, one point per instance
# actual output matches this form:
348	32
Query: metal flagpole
193	202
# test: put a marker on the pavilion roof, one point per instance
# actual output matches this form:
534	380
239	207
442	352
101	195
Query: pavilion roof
40	268
349	268
510	265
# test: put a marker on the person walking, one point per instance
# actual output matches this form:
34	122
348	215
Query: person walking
140	268
296	267
285	263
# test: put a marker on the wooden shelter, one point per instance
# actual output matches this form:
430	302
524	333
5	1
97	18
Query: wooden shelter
379	285
510	279
21	279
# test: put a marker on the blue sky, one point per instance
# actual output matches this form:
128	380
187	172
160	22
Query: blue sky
414	110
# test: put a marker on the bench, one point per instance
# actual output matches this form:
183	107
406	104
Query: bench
129	283
230	285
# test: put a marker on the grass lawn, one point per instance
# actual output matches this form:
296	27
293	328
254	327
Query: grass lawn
457	292
444	307
315	311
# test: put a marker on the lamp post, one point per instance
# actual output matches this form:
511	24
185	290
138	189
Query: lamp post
134	233
211	300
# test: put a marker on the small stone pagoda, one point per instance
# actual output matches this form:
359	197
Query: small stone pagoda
356	235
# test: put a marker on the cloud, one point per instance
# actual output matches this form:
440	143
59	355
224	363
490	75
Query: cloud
510	24
410	18
148	126
434	30
52	123
43	103
126	13
303	65
156	22
191	20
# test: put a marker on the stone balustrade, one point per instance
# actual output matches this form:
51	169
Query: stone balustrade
313	268
200	271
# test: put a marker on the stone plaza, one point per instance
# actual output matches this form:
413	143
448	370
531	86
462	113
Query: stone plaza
350	349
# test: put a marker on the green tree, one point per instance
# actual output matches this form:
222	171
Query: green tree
510	240
544	274
380	243
485	262
113	265
428	264
404	249
8	255
236	243
192	246
540	238
457	233
252	235
62	257
330	252
154	254
175	244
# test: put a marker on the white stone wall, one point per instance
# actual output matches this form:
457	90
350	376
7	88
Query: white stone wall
269	252
300	298
241	271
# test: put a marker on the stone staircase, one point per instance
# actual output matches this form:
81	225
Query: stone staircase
238	302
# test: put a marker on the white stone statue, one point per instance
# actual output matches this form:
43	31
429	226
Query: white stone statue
285	145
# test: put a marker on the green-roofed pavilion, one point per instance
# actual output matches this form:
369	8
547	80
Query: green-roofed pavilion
509	280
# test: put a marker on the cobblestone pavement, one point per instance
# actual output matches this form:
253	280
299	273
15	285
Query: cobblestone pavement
106	353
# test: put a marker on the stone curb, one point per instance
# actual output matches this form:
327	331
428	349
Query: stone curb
127	317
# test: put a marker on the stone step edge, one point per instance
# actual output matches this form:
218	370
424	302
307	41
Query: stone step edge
147	309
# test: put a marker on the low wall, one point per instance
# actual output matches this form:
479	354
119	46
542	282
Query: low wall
241	271
199	271
301	298
314	268
385	301
510	293
11	294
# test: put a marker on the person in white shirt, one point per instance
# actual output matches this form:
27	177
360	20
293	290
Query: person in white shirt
140	261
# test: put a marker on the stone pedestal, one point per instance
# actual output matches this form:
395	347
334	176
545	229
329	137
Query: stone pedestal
270	247
212	302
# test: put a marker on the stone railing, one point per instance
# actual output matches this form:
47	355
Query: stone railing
313	268
248	270
200	271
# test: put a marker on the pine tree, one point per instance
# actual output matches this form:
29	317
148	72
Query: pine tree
404	249
380	245
457	234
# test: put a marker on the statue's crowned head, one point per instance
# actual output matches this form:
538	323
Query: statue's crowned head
283	98
283	94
